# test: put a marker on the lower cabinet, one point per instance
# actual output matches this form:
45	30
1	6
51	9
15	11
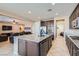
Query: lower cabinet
73	49
43	47
50	42
29	48
22	47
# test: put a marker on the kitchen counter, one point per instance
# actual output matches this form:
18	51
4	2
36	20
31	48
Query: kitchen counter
72	43
32	44
33	37
75	41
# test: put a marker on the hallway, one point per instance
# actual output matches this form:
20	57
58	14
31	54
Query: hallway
58	48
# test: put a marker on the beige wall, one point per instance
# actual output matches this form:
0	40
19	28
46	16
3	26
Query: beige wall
15	27
28	23
1	27
36	27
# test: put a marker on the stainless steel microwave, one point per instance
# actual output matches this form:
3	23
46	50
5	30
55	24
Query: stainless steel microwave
75	23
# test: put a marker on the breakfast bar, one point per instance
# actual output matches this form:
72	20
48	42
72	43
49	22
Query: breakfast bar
33	45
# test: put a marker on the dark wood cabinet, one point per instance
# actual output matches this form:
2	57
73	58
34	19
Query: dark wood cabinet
73	49
43	23
69	45
73	16
44	47
50	42
31	48
49	25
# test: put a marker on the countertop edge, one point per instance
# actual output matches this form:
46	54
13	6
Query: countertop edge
48	35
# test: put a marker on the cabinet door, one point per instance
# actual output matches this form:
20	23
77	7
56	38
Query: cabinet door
50	41
22	47
43	23
74	15
77	54
75	50
69	43
43	48
78	11
71	48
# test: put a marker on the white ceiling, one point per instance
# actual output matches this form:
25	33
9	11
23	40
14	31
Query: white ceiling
38	10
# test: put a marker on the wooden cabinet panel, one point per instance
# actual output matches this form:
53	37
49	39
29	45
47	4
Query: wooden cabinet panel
49	25
22	47
45	45
29	48
50	42
73	49
43	23
44	48
73	16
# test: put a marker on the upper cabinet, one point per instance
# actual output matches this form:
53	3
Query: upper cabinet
74	18
49	25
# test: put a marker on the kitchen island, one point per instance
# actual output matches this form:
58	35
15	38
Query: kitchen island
33	45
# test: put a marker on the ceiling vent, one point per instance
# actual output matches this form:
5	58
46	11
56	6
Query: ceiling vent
49	10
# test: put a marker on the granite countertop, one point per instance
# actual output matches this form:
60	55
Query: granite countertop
75	41
34	37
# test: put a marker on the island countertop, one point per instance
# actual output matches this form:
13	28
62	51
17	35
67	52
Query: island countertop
34	37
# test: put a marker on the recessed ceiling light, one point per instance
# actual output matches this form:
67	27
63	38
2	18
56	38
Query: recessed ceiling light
29	12
56	14
53	3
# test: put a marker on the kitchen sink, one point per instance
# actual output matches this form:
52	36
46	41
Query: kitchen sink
75	37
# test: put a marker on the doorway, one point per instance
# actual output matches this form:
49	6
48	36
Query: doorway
60	27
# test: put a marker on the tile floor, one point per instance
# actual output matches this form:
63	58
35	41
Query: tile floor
58	48
6	48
